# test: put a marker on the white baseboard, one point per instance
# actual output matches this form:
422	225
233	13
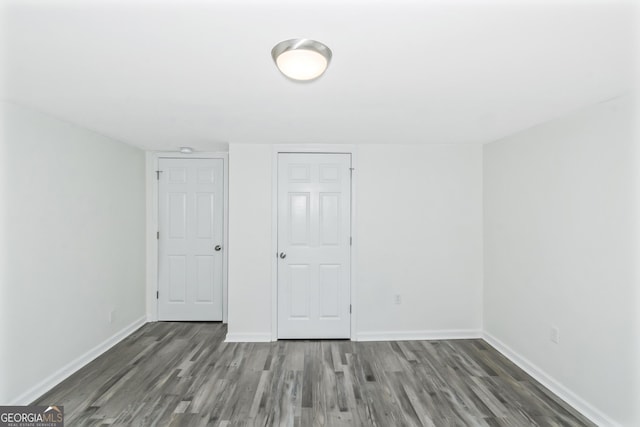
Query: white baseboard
451	334
549	382
375	336
63	373
248	337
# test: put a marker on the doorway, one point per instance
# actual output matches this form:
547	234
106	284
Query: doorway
314	245
190	239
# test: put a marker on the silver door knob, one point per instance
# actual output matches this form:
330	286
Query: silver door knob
218	247
283	255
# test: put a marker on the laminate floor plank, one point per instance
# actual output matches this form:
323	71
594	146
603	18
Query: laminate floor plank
184	374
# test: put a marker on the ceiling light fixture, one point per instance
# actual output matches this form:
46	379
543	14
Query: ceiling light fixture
186	150
301	59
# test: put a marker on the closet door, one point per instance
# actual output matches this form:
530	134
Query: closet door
314	245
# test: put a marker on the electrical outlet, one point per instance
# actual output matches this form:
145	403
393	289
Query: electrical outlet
397	299
112	315
555	335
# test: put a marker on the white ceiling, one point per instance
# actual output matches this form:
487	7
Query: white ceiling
161	74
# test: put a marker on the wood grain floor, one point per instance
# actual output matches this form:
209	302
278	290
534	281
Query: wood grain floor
183	374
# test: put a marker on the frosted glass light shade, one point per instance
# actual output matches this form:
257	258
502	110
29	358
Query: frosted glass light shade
301	64
301	59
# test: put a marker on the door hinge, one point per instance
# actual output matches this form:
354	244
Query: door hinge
158	235
157	294
158	175
350	241
349	308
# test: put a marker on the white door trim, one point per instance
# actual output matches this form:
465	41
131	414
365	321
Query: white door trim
152	225
311	148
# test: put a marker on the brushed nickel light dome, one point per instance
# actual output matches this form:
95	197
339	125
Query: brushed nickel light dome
301	59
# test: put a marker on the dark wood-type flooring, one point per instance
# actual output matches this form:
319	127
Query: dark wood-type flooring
183	374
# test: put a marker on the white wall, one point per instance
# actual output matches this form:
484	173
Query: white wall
419	219
249	298
4	356
560	247
74	246
419	228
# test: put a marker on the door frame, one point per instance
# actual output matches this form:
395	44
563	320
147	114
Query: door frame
311	149
152	203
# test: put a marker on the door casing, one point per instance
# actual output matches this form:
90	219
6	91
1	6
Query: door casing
311	148
152	159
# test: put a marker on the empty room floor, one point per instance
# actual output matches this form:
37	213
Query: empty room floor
183	374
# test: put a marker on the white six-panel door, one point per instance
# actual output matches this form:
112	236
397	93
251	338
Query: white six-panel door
314	227
190	239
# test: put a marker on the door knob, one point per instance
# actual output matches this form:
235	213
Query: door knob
218	247
283	255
